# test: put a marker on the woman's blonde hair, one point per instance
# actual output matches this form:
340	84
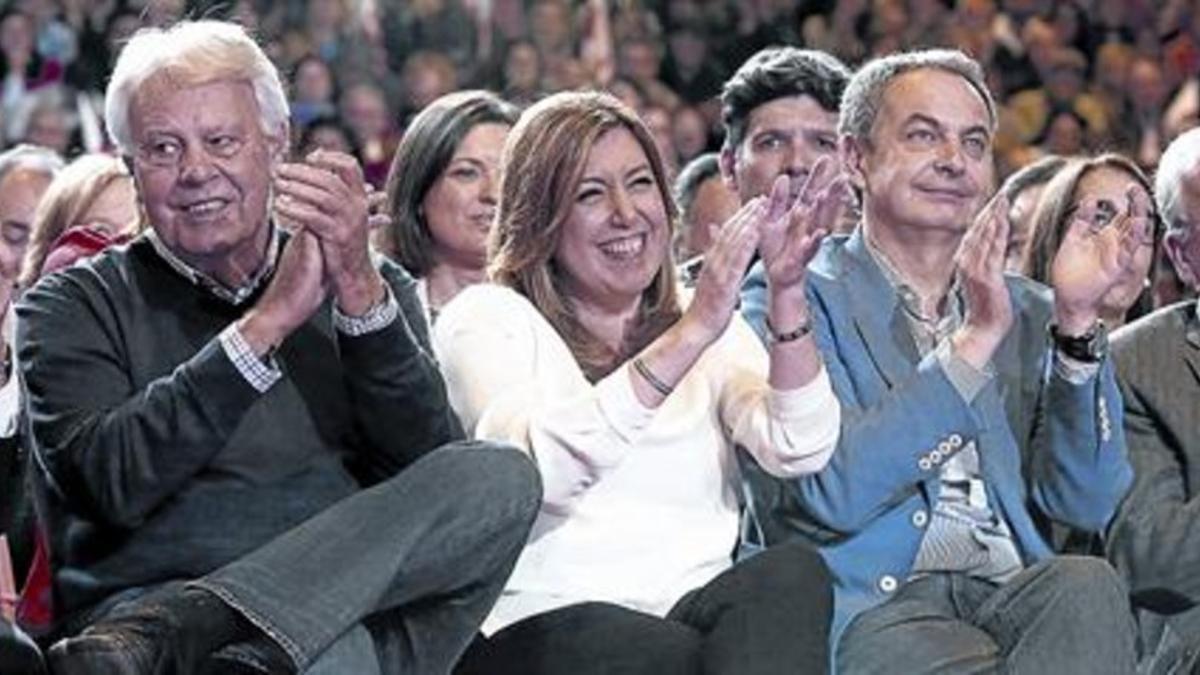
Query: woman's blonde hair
71	193
544	161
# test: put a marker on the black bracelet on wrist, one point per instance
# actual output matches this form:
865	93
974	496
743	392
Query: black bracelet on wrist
791	336
1088	348
642	369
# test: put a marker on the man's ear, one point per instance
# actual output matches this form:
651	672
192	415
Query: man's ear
277	143
727	160
1175	243
853	157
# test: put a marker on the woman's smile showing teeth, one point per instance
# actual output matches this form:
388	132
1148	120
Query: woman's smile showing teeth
624	247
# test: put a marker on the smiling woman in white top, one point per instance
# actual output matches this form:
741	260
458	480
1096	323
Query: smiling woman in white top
632	409
441	193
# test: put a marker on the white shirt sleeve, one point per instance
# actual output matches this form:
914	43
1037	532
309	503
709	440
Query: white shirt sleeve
511	378
788	432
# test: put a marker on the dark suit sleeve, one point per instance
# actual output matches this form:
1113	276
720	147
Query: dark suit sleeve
115	452
396	391
1155	538
878	460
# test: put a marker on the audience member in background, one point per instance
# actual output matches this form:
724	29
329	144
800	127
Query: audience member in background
1022	190
327	133
780	112
25	174
426	76
705	201
632	407
967	426
689	133
1155	539
313	91
221	372
442	191
91	200
658	121
522	77
365	110
1103	189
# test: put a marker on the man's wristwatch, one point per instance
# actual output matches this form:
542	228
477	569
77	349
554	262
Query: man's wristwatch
1089	347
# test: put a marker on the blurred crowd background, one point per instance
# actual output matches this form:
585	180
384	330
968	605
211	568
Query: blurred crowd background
1074	76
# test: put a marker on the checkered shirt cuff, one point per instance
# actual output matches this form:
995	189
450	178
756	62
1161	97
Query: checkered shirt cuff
377	318
260	373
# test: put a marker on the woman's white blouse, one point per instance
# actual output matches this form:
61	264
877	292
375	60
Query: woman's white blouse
639	504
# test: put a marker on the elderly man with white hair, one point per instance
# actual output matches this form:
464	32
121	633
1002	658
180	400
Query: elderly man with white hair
1155	539
248	463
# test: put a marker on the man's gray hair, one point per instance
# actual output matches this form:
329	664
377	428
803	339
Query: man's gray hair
864	94
30	158
1181	156
193	53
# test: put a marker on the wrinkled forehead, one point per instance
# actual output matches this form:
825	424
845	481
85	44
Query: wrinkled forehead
936	94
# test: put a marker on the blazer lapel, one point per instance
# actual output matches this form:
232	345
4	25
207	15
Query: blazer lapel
877	313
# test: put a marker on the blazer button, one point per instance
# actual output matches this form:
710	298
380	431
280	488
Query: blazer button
936	457
920	518
954	440
924	464
887	583
945	448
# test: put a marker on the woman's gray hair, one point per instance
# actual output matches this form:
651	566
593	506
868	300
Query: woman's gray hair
193	53
1180	156
864	94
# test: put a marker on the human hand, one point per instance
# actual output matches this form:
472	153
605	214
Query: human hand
1095	254
789	240
297	289
326	195
725	264
980	269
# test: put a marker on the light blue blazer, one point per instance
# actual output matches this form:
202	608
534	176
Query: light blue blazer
1050	451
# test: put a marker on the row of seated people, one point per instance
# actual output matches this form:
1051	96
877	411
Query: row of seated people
259	447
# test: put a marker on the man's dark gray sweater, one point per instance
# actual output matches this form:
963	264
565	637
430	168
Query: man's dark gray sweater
160	461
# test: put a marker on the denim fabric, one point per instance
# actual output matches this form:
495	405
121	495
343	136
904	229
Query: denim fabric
1063	615
419	560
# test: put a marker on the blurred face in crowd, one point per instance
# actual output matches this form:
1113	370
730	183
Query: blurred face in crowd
1147	87
1020	218
326	137
639	60
365	111
16	36
550	26
314	82
522	68
1109	188
713	204
203	168
927	162
1065	135
658	121
689	131
615	236
49	128
688	50
20	192
461	203
784	136
114	210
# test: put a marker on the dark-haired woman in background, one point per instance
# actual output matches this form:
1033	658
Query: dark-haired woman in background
442	191
1100	191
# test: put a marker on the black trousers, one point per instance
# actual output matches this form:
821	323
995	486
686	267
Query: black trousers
768	614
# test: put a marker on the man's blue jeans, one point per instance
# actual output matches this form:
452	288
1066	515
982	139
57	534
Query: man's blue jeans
414	564
1063	615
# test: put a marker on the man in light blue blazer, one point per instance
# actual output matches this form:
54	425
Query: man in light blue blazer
978	409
